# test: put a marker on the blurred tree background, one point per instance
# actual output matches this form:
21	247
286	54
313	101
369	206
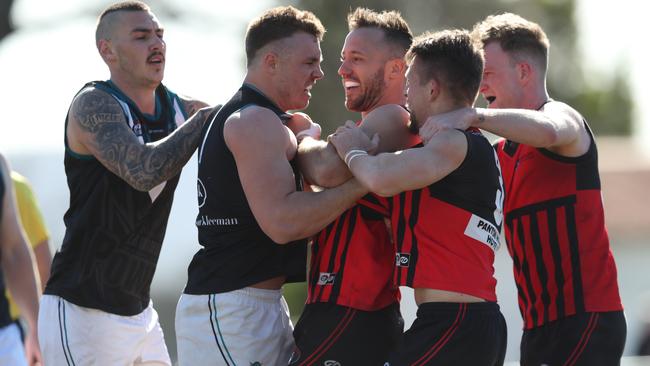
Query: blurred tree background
604	100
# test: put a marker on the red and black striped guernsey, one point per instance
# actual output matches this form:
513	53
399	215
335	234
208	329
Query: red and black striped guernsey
446	234
556	235
352	259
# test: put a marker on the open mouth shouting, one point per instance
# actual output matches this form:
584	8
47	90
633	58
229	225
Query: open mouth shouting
156	58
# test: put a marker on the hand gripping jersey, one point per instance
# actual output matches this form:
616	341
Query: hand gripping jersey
446	234
5	318
555	230
114	232
352	260
236	253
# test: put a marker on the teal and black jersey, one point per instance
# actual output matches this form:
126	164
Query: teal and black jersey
236	252
114	232
5	318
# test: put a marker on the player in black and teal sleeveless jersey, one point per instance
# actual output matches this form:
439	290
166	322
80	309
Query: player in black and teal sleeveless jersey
114	232
126	142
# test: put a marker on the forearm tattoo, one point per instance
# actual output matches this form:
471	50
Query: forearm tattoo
118	149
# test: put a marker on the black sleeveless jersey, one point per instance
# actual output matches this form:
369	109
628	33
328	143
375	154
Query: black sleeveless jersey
5	318
114	232
236	252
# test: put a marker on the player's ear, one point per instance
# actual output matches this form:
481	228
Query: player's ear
105	48
270	61
525	72
433	86
395	68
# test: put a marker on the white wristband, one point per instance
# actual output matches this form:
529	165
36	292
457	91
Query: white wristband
352	152
349	162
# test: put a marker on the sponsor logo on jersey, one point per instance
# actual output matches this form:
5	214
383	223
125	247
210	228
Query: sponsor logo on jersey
483	231
201	193
402	259
205	220
326	278
331	363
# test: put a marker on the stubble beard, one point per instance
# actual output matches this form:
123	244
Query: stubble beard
372	95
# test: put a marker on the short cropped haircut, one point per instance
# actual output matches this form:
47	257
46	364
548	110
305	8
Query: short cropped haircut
102	27
451	57
396	31
516	36
277	23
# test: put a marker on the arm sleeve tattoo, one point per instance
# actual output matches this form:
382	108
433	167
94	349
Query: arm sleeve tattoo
106	134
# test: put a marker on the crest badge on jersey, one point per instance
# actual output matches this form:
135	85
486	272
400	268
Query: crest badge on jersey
201	193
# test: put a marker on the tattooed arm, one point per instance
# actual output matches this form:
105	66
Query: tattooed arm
97	126
190	105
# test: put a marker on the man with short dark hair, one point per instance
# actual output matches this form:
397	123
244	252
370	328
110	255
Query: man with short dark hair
555	224
126	141
352	314
253	214
445	210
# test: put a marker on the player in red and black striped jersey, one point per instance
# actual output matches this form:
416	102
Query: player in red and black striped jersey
554	220
352	314
446	220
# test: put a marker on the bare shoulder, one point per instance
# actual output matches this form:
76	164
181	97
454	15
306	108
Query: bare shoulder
254	119
93	106
557	109
391	122
448	141
254	128
386	115
254	123
392	110
191	105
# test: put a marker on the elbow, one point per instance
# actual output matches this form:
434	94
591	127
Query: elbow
325	175
329	178
379	185
145	185
141	186
384	191
283	238
281	234
549	137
